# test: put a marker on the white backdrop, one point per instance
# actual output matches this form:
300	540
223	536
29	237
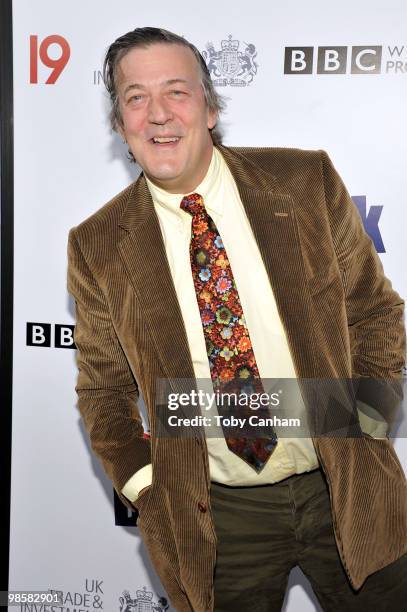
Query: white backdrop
68	164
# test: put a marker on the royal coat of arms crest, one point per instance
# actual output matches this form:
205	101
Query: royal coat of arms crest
229	65
143	602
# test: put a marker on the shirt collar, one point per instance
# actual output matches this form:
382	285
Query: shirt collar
209	188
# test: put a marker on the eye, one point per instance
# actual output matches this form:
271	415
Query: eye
177	93
136	98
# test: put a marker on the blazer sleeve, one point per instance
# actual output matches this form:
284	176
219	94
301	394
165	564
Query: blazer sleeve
106	388
374	308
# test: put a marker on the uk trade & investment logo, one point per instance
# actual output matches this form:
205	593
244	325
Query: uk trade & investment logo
367	59
90	598
229	65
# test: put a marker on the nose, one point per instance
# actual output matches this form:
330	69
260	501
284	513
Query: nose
159	111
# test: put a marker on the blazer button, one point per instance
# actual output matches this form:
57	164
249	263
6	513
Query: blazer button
202	507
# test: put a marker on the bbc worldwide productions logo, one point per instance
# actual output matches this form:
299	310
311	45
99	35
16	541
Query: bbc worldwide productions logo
357	59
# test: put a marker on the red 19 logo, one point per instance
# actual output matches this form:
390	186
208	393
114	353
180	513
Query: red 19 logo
57	65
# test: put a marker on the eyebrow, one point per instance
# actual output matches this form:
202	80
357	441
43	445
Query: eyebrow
167	82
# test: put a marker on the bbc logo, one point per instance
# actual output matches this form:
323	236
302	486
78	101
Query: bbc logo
39	334
333	60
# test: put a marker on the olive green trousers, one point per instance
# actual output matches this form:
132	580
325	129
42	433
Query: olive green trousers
265	531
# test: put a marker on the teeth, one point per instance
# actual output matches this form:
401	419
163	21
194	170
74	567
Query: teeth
160	140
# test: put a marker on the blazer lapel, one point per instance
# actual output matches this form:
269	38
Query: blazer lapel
143	254
272	217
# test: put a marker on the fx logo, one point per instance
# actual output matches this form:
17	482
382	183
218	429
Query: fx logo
333	60
48	60
39	334
371	221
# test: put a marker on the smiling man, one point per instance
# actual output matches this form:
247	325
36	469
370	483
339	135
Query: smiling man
166	121
238	265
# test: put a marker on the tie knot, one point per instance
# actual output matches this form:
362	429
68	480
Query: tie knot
193	204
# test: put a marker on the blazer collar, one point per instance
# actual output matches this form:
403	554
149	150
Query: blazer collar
248	177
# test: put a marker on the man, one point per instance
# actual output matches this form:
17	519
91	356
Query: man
223	263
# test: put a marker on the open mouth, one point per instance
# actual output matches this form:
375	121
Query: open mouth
167	141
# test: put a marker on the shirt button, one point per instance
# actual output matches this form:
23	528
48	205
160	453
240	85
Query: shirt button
202	507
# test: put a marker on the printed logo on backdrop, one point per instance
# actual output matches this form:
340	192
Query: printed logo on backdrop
143	602
234	63
48	335
123	516
373	59
371	221
52	52
88	599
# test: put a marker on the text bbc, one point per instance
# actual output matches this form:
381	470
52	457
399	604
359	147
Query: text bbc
335	60
40	334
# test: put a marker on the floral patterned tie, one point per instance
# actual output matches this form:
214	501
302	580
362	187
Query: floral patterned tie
231	358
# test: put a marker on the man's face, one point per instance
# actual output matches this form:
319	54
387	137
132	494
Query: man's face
166	120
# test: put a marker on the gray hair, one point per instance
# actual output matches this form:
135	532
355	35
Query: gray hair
142	38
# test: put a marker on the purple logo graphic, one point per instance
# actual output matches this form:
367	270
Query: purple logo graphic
371	221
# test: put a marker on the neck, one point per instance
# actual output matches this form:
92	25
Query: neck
181	185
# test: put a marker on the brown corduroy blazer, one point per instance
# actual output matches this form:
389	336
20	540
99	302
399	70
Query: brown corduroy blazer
342	319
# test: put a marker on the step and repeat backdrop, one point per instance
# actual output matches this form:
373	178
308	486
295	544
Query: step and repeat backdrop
294	74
